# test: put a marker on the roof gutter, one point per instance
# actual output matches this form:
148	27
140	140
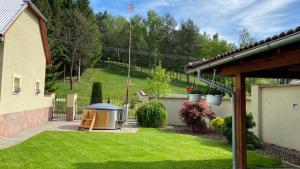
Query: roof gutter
266	47
37	10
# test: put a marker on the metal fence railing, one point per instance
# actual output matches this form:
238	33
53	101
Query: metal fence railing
83	102
59	108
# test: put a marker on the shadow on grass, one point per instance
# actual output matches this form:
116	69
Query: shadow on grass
192	164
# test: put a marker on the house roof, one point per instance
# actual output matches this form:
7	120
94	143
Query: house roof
11	9
267	41
9	12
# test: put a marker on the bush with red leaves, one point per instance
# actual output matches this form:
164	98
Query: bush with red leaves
194	115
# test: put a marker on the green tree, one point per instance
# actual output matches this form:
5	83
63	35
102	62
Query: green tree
90	53
188	39
154	28
168	41
245	38
74	38
159	82
96	96
139	42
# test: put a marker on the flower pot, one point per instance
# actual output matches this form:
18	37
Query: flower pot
214	99
194	97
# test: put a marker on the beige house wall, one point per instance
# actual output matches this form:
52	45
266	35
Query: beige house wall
1	61
23	55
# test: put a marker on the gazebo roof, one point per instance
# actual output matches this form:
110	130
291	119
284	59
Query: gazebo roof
285	42
274	57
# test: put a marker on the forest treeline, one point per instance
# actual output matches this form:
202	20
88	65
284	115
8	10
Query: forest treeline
79	38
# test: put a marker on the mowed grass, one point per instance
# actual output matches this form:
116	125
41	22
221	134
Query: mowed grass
113	78
147	149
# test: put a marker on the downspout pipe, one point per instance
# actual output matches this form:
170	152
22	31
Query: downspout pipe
229	91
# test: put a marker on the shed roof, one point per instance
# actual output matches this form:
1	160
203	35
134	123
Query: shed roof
11	9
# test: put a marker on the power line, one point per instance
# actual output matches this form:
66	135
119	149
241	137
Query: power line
144	52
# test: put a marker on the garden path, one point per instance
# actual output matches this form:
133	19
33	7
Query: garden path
18	138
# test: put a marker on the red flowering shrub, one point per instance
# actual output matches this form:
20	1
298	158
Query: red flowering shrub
195	114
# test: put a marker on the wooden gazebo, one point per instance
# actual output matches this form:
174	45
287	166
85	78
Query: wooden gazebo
274	57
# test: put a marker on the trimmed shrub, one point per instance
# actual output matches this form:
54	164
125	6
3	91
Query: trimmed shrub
252	140
217	124
96	96
195	114
152	114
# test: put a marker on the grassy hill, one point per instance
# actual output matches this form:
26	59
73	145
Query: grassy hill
113	78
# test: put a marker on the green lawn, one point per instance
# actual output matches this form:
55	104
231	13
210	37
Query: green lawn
113	78
147	149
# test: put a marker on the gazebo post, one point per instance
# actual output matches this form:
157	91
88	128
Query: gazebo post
241	120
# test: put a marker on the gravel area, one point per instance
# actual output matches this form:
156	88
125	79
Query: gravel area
285	154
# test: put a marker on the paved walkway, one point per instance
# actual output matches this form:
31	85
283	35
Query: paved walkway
9	141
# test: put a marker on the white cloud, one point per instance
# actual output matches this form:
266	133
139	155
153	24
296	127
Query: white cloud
261	17
227	17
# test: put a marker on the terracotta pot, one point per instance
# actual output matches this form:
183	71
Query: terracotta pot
214	99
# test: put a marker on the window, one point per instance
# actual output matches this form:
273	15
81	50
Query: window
37	89
16	84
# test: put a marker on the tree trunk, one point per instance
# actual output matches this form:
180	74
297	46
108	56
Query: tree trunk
188	77
179	76
71	72
79	70
71	79
64	73
176	75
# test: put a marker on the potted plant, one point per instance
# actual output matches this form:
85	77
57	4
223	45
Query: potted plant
194	93
214	96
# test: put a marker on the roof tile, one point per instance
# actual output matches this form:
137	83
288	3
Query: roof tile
239	50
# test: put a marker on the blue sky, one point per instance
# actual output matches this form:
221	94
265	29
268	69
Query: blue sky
262	18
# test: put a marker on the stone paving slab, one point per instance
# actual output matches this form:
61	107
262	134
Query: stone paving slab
9	141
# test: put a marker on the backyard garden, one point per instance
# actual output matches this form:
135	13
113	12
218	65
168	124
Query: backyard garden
149	148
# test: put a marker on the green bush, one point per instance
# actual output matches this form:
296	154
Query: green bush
252	140
159	82
217	124
96	96
194	115
152	114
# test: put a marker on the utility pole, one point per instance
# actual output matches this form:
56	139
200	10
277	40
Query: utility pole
130	8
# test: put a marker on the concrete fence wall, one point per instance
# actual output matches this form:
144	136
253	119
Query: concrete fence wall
173	106
275	109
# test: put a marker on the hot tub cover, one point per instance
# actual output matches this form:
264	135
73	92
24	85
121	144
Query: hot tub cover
103	106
